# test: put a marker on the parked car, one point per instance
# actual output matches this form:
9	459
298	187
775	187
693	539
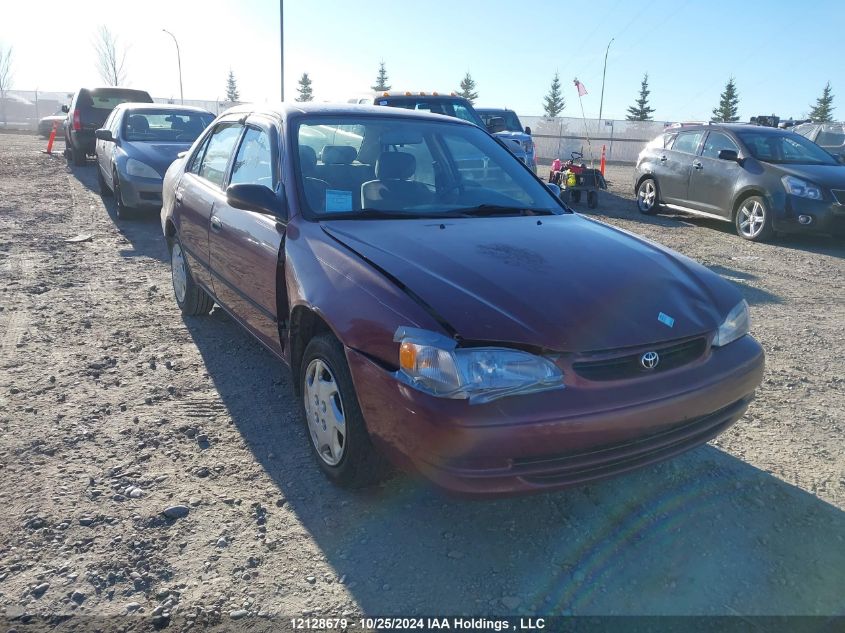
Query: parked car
506	124
45	124
88	110
760	178
135	147
446	104
446	319
828	136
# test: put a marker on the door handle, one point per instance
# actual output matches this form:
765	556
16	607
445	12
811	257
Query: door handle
663	159
178	196
216	224
697	164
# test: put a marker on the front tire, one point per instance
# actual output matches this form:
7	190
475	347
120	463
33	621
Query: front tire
753	220
191	299
122	211
329	405
104	188
648	197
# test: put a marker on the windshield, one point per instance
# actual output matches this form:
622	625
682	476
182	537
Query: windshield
786	149
168	125
397	167
512	123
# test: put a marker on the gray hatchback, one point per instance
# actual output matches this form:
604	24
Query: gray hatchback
761	179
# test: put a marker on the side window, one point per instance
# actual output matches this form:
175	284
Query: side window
687	142
254	160
715	143
195	161
462	112
114	122
217	154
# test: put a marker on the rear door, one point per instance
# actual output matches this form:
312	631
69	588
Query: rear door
675	164
197	192
245	245
712	180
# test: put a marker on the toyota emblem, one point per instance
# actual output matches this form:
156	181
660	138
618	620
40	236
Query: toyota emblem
650	360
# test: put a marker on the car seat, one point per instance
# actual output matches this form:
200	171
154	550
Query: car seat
393	188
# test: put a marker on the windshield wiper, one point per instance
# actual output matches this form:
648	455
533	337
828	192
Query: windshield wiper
499	209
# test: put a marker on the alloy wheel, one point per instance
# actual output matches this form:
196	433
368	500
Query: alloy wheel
752	217
647	196
324	412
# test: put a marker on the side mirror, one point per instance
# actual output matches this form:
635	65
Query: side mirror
554	189
496	124
528	130
258	198
841	158
728	154
182	154
103	135
65	109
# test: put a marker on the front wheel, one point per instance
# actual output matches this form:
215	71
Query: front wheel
753	220
122	211
104	187
647	197
191	299
333	418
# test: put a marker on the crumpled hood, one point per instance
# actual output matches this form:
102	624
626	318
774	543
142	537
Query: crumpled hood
156	155
830	176
564	283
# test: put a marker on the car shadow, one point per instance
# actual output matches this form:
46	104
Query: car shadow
612	205
142	231
705	533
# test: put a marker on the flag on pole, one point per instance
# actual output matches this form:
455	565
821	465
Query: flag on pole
581	89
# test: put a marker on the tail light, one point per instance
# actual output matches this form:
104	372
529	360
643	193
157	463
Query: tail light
77	122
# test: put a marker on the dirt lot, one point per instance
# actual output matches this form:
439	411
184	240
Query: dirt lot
113	408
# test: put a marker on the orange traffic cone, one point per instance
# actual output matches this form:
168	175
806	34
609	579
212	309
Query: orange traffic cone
603	161
52	137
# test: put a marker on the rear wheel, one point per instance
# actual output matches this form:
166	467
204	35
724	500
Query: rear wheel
191	299
592	199
575	196
333	418
648	197
77	156
753	220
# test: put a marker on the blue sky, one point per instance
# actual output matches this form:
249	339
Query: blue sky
781	57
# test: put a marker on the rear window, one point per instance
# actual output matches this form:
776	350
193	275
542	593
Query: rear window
108	99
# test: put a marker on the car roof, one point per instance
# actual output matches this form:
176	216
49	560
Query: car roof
493	110
131	105
730	127
285	110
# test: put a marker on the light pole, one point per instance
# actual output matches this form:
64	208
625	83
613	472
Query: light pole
603	73
179	63
282	43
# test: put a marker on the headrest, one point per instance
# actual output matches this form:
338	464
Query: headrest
138	123
395	166
338	154
307	159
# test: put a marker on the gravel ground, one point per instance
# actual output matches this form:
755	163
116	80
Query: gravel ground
154	470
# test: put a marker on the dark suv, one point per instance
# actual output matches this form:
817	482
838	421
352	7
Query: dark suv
88	111
760	178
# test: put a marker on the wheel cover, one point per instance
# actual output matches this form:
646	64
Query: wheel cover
178	273
324	412
646	196
751	218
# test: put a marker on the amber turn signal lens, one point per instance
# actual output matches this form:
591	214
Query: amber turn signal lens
407	356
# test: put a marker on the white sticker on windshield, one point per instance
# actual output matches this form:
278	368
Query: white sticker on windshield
337	200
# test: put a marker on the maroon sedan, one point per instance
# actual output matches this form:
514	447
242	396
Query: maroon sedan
441	309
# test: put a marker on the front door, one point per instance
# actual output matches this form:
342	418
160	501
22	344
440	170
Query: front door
245	245
712	180
675	166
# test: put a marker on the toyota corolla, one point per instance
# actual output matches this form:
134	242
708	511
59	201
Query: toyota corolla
441	309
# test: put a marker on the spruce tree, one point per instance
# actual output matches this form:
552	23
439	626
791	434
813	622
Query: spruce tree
641	111
467	90
304	89
553	103
381	79
822	112
232	93
727	112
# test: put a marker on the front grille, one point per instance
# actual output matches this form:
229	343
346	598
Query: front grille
839	194
629	365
